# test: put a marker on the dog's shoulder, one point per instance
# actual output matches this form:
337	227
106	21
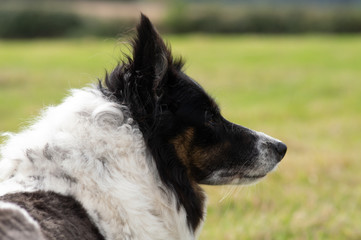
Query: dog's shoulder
17	224
35	215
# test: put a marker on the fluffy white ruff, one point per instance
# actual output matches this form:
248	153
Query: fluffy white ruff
90	148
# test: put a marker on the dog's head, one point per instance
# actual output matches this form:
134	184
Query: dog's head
173	111
190	140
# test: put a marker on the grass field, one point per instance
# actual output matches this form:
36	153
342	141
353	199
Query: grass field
304	90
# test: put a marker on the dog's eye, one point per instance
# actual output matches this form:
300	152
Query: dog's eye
209	117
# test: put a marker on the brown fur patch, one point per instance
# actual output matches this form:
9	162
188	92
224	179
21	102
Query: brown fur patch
182	145
192	155
206	156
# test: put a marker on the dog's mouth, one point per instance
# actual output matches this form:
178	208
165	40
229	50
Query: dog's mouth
248	179
236	179
253	176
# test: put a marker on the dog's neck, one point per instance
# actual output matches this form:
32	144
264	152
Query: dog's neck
91	149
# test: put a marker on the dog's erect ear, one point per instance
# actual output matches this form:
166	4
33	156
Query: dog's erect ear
150	55
148	68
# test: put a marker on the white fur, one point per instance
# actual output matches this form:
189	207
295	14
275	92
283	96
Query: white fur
90	148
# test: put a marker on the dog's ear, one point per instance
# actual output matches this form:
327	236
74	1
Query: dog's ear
147	73
151	58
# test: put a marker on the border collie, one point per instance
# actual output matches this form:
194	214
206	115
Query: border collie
123	159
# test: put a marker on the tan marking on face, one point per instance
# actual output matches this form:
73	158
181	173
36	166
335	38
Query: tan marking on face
201	157
182	145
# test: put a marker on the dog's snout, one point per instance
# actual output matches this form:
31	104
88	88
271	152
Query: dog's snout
274	146
281	149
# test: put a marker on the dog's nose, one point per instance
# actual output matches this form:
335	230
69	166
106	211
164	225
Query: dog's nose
281	149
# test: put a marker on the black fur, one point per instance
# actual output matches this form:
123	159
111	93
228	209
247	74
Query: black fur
59	217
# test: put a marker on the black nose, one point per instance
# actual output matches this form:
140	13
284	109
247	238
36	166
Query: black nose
281	149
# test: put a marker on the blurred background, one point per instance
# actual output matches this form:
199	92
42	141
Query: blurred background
61	18
289	68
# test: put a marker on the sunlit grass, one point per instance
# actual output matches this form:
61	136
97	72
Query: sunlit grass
305	90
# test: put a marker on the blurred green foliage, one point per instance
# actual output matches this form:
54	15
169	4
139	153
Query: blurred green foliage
216	19
181	17
32	23
35	23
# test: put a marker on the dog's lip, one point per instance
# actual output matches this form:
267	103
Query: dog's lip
254	176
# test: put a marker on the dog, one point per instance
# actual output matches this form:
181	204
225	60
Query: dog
123	159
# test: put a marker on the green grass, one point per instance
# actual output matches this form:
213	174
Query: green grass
305	90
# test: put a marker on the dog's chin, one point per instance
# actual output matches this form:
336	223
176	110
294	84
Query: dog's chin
247	180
